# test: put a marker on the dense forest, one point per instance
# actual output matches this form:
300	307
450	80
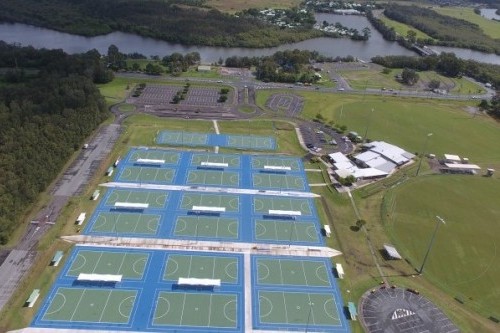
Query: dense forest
48	106
170	20
448	31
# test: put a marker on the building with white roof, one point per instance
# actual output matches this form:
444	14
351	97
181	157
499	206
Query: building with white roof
390	152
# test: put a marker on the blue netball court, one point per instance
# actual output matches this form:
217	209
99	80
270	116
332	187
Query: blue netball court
245	142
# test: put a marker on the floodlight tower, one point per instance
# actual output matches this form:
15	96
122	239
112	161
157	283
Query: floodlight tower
439	221
423	152
368	125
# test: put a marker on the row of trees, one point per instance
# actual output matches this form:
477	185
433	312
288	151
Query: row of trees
43	120
445	30
177	21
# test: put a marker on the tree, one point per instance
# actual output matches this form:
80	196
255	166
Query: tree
360	223
409	76
366	33
411	36
434	84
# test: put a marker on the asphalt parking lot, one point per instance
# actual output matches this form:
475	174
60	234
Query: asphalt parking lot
318	135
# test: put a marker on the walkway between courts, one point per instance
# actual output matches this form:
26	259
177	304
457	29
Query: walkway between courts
216	127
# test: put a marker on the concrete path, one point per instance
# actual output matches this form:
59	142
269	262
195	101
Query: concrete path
209	189
248	292
216	127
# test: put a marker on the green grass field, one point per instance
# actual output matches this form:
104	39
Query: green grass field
490	27
375	79
402	28
454	129
465	259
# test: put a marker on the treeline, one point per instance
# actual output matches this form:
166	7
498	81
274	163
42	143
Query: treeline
446	30
170	20
447	64
48	106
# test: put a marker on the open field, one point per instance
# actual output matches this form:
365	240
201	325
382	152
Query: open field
464	260
401	28
490	27
238	5
455	130
375	79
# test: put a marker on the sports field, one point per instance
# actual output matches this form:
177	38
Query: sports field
207	227
170	157
125	223
155	199
260	162
286	231
262	205
182	138
230	202
91	305
292	272
216	178
233	161
201	267
464	259
199	309
147	174
276	181
303	309
129	264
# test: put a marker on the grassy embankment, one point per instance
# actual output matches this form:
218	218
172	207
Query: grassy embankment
490	27
232	6
470	206
375	79
401	28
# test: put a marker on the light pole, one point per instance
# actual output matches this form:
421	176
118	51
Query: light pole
438	223
423	153
368	125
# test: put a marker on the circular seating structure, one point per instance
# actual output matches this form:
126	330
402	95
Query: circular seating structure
393	310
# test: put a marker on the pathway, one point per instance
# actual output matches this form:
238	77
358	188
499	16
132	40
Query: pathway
216	127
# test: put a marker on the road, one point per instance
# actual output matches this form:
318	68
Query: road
20	259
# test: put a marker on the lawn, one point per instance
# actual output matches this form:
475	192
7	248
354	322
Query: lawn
375	79
455	130
464	260
490	27
232	6
402	28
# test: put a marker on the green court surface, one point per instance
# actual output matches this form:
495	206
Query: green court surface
202	177
130	265
286	231
230	202
240	141
201	267
170	157
279	307
145	174
91	305
126	223
290	272
259	162
155	199
196	309
207	226
264	204
267	180
232	161
182	138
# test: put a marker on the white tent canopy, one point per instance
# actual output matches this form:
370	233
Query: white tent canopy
277	167
215	164
392	252
198	282
99	277
209	209
285	212
136	205
149	161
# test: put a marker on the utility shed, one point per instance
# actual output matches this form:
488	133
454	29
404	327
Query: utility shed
56	259
392	252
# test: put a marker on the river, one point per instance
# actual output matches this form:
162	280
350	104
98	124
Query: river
128	43
490	13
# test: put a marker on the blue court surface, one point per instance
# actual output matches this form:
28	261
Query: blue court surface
246	142
296	294
174	214
168	167
148	298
